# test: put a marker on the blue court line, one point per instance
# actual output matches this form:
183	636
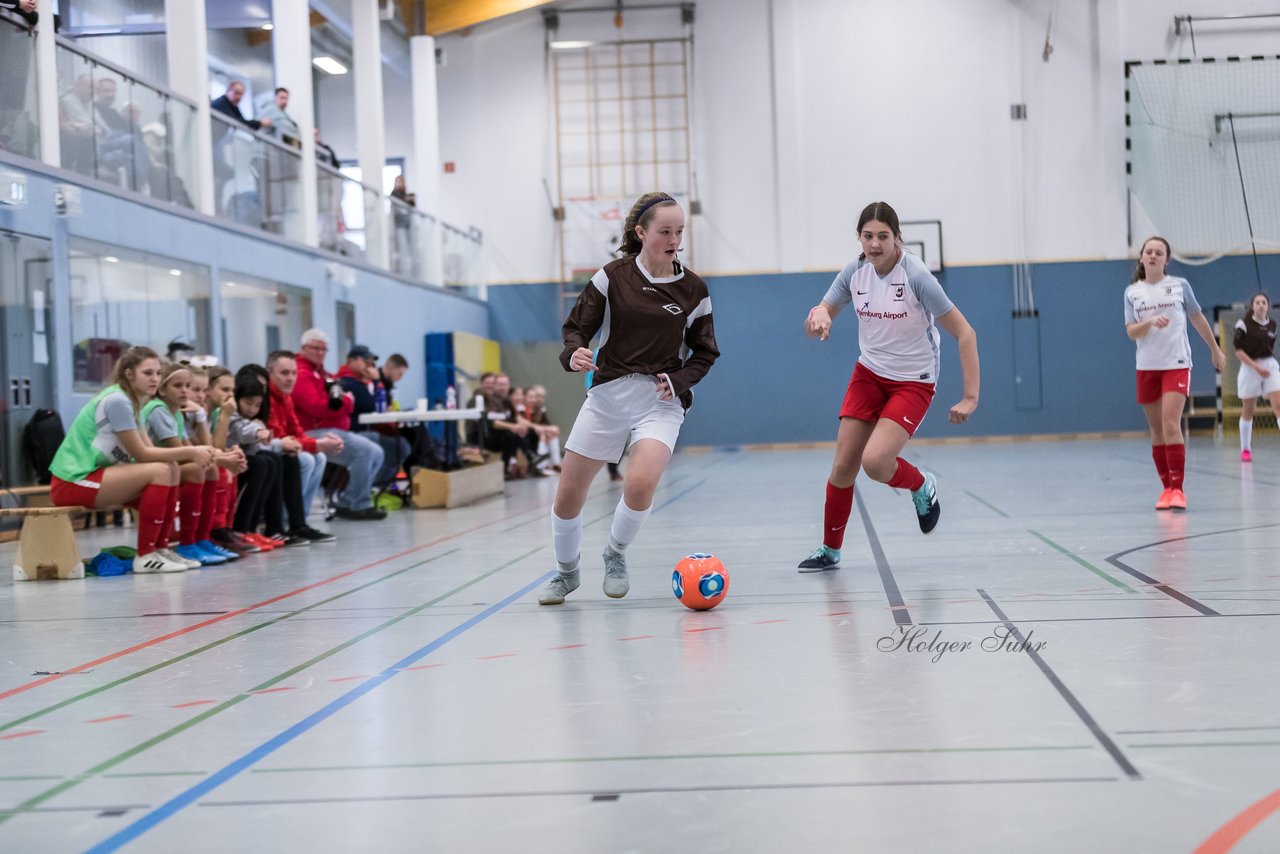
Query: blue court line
213	781
679	495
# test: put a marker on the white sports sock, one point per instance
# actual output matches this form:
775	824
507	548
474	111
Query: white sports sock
566	537
1246	434
626	525
553	448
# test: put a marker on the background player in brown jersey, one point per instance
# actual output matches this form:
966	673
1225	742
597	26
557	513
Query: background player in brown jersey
1259	374
657	341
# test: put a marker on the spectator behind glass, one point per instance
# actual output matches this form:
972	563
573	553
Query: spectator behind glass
280	124
229	105
24	9
324	154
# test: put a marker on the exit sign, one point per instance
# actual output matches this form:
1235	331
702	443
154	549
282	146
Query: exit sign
450	166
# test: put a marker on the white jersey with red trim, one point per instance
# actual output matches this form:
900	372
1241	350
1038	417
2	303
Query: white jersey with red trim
1164	349
896	313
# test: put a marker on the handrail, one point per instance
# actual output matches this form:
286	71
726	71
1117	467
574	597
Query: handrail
70	45
256	134
410	209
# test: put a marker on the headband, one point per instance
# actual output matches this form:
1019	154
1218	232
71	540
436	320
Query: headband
663	198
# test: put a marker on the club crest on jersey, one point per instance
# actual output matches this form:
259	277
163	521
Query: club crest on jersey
1168	290
673	308
899	293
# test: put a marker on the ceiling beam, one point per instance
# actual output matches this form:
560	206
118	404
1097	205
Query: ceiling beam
446	16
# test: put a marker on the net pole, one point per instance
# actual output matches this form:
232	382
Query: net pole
1244	197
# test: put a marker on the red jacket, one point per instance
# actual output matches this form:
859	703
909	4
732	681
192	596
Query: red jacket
311	399
284	421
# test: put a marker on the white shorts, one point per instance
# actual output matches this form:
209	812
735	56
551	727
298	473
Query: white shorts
1249	384
622	410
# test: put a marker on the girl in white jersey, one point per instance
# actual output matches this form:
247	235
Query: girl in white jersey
105	461
897	301
657	341
1157	307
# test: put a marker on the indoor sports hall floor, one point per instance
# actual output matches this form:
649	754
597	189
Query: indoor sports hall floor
401	690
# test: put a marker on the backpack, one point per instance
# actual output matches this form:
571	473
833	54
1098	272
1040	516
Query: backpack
40	441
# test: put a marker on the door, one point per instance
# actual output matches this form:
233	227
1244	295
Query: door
346	316
26	323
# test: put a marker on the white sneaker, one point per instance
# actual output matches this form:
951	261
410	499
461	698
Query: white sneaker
173	557
156	562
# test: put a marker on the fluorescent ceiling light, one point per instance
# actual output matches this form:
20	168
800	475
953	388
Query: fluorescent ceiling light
571	45
329	65
175	272
268	27
111	259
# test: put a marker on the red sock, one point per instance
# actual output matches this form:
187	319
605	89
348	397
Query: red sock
208	508
226	489
153	506
165	536
1177	459
1160	454
835	515
906	477
189	511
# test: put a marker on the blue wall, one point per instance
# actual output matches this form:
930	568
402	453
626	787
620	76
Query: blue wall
774	385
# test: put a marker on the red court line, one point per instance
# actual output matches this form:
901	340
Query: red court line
273	690
105	720
707	629
348	678
193	703
638	637
22	734
1226	837
570	646
424	667
766	622
4	695
841	613
501	655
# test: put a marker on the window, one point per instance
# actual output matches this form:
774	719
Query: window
259	316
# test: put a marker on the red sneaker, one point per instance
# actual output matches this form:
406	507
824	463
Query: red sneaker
261	542
1177	501
1165	501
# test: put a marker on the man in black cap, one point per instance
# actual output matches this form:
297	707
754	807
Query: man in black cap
360	377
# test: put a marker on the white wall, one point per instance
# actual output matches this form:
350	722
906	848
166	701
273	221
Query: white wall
806	110
336	114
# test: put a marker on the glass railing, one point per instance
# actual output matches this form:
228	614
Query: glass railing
256	179
117	129
343	207
19	126
463	260
414	239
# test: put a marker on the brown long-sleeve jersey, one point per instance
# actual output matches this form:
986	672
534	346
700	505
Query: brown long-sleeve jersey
647	326
1258	341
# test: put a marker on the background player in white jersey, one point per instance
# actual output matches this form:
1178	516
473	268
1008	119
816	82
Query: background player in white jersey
1157	307
1259	374
897	301
657	341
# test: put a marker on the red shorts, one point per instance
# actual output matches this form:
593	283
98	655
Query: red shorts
1152	385
871	396
81	493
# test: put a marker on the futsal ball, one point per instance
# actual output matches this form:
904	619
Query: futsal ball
700	581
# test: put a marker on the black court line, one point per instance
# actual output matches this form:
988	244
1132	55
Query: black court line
1076	706
1115	561
900	614
652	790
1092	619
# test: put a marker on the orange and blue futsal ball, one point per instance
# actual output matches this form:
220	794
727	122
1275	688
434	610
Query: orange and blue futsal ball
700	581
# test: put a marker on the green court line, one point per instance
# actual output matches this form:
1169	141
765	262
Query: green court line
108	764
1210	744
23	778
986	504
1104	576
782	754
153	668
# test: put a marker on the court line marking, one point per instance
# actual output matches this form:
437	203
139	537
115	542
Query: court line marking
227	772
1076	706
1115	561
4	695
107	764
1104	576
986	504
655	790
901	616
1092	619
211	645
1226	837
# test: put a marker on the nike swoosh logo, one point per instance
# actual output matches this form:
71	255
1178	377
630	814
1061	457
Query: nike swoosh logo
839	528
908	420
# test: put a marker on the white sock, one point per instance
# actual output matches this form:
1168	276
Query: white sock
566	537
1246	434
553	448
626	524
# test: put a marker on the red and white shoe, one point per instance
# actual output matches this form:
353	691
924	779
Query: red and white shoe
1246	456
1177	501
1165	501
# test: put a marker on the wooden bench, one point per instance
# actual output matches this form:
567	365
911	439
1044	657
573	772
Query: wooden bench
47	545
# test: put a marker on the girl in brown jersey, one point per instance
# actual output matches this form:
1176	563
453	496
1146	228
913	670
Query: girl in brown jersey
657	341
1259	374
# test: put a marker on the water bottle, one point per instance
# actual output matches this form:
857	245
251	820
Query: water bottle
450	398
380	398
